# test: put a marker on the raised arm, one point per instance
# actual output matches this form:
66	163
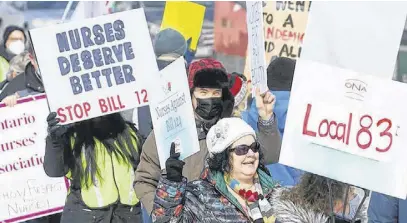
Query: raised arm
268	134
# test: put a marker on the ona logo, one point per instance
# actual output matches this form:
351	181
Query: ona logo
355	89
166	87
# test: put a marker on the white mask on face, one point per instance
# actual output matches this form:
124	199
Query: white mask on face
16	47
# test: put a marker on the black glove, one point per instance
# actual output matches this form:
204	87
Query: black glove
55	131
174	166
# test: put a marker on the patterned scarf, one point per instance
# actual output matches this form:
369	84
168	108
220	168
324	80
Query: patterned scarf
259	209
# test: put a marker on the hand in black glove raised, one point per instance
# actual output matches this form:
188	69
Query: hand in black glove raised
174	166
55	130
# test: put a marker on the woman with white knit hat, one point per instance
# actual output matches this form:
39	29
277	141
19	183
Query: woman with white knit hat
235	186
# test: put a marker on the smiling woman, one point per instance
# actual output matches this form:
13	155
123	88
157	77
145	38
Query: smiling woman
235	186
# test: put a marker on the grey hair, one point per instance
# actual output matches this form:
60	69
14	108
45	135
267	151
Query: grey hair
313	192
19	62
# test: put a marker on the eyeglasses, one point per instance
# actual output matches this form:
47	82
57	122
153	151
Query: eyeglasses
242	150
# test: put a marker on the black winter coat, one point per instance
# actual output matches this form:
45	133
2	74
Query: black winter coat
27	80
205	200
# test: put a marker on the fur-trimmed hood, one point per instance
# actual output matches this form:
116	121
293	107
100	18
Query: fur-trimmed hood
286	211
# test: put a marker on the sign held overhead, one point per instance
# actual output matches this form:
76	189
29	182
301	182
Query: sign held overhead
95	66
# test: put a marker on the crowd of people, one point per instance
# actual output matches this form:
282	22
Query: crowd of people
113	164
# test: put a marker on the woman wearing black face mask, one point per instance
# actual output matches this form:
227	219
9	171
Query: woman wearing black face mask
212	100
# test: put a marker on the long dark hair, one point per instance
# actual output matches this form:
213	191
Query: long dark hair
85	133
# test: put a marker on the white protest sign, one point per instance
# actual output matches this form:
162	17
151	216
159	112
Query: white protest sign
171	111
26	192
345	120
96	66
258	65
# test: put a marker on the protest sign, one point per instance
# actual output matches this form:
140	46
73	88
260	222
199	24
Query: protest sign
284	25
26	191
345	120
96	66
258	65
185	17
172	113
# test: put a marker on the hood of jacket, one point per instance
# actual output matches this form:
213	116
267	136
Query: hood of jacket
4	53
288	212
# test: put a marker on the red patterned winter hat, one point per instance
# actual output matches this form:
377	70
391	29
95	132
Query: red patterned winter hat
207	73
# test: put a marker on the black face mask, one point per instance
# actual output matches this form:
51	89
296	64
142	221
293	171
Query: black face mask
209	108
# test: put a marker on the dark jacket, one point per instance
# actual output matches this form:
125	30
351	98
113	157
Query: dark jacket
386	209
75	210
204	200
5	54
149	171
28	80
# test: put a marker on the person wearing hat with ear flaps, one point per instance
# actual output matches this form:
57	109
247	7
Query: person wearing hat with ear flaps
212	101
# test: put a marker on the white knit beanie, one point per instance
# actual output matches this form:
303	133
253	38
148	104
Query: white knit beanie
225	133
